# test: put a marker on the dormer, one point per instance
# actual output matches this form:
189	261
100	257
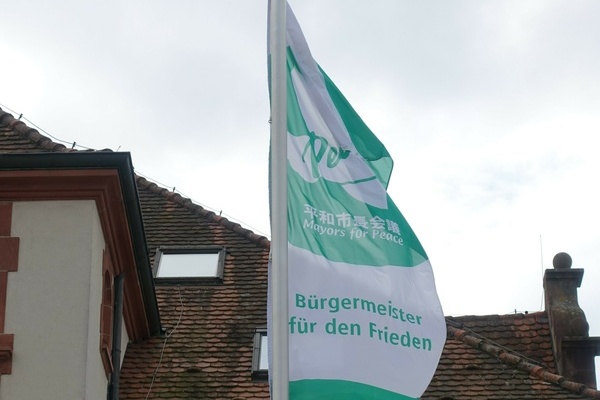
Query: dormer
75	278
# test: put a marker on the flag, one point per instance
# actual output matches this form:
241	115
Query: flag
364	318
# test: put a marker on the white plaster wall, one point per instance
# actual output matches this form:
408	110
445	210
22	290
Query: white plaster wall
53	303
95	382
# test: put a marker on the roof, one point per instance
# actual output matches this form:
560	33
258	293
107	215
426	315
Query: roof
206	349
501	357
208	344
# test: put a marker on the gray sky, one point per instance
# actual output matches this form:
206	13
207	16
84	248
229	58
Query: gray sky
489	109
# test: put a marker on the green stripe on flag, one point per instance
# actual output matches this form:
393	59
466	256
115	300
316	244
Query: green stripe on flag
373	244
295	120
323	389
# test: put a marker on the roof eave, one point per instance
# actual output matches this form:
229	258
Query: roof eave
120	162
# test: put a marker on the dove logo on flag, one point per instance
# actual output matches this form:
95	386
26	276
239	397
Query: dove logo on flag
325	149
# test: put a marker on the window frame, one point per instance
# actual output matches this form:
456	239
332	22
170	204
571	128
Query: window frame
214	279
257	372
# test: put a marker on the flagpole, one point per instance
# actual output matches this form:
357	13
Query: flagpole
279	234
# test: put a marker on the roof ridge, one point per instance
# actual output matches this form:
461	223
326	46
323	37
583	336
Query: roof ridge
203	212
519	361
474	318
31	134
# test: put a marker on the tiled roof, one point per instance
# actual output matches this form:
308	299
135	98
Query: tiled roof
210	328
167	212
206	351
501	357
17	137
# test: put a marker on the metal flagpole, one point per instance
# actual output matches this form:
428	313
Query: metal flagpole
279	234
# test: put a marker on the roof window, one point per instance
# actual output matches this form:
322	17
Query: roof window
260	357
189	264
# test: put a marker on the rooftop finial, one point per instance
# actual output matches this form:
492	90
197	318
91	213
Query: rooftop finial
562	261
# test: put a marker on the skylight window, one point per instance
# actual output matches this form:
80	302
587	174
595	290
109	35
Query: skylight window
260	357
189	263
263	358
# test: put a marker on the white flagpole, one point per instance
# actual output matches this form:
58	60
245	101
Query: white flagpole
279	234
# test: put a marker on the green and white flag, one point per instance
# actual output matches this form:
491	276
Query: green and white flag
365	321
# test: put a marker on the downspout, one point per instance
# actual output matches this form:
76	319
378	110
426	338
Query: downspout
113	386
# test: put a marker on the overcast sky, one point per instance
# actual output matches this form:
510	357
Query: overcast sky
489	109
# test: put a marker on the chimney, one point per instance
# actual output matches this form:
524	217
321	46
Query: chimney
574	349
